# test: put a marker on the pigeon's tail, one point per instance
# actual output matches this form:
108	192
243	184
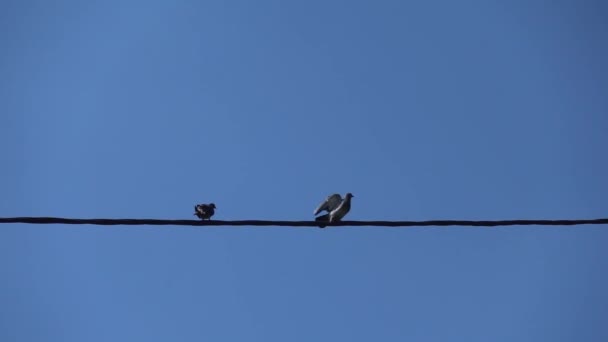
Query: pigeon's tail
322	218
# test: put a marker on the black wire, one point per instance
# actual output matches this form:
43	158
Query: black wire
212	223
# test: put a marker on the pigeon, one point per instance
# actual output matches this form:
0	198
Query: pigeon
204	211
343	209
336	208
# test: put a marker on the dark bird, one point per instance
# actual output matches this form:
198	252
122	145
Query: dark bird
336	208
204	211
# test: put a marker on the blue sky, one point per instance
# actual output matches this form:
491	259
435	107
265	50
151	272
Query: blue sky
421	109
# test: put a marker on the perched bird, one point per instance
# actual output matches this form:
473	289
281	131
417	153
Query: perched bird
343	209
336	208
204	211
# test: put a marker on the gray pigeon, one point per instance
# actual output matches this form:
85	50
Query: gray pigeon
204	211
343	209
336	208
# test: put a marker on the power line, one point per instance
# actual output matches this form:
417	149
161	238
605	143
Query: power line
240	223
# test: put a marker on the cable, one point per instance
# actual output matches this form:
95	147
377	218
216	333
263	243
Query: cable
214	223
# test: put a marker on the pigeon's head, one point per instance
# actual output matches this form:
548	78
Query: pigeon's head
349	195
212	205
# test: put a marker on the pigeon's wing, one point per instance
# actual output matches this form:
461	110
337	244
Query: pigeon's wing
333	202
206	209
330	203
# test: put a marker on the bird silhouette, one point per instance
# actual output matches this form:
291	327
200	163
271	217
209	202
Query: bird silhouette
204	211
336	208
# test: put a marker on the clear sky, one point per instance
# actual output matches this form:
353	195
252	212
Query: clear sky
422	109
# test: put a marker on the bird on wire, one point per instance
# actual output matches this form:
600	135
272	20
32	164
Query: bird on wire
204	211
336	208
